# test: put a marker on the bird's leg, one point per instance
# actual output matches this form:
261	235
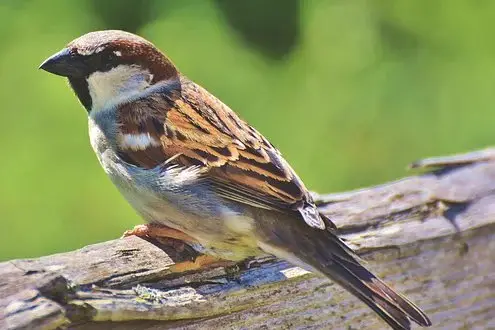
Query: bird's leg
176	239
163	234
156	231
201	261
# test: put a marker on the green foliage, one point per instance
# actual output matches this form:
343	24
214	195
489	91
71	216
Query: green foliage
352	92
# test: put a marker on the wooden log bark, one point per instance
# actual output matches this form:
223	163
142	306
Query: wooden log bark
430	236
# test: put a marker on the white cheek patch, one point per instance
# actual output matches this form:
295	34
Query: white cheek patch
118	84
138	141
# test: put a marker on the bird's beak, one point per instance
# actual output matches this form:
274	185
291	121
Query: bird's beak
65	63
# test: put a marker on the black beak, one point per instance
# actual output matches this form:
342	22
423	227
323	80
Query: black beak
66	64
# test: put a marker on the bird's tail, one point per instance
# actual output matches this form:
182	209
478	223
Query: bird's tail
392	307
336	261
322	251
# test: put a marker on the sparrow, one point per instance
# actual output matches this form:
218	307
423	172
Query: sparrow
197	172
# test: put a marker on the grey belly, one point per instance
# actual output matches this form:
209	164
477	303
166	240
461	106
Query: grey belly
228	237
221	231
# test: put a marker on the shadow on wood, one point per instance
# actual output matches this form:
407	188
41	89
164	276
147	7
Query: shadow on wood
431	236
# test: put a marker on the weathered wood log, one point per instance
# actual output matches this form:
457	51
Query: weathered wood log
432	236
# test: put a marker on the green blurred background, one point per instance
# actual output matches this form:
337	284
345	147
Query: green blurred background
350	91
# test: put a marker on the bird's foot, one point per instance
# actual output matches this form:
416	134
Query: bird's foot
177	240
163	234
200	262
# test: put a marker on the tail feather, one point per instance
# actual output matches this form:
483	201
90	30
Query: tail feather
334	259
394	308
323	251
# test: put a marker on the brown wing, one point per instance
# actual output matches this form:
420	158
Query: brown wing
189	126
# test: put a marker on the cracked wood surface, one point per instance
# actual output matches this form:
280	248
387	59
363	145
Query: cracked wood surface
431	236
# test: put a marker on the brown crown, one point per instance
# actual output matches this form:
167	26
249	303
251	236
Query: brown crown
128	48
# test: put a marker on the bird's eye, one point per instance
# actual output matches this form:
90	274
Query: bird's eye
105	60
110	56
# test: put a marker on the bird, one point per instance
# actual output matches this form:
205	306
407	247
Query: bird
195	171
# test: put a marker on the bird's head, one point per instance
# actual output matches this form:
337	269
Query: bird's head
105	67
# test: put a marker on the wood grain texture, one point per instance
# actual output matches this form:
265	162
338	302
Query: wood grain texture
431	236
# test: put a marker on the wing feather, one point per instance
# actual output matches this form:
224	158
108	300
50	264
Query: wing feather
196	129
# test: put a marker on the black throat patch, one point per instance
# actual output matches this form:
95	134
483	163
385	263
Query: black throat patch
81	88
